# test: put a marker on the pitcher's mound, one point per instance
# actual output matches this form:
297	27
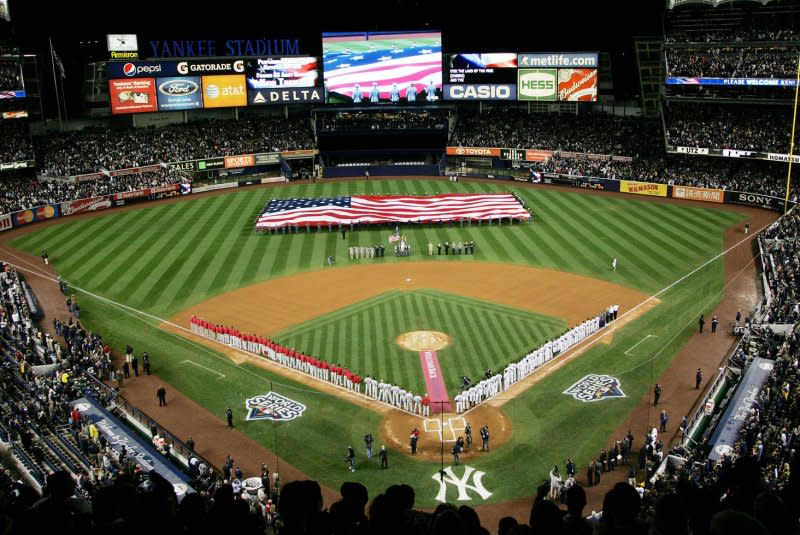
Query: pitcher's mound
397	426
423	340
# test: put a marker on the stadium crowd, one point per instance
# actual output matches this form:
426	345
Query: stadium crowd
93	149
754	128
10	78
23	193
16	144
383	120
596	133
736	34
773	61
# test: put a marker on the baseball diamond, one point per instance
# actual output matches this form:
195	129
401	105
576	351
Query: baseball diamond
526	283
316	270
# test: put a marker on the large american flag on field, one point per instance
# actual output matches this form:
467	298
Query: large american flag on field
391	209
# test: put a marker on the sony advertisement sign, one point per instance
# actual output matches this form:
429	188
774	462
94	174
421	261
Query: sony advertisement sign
756	200
480	92
288	95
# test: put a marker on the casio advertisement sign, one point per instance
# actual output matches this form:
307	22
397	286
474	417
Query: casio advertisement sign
480	92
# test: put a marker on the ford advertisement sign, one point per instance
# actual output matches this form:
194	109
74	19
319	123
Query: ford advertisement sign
179	93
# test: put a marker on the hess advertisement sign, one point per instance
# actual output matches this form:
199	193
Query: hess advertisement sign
537	84
179	93
225	91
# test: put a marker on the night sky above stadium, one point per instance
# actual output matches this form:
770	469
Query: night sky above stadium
78	29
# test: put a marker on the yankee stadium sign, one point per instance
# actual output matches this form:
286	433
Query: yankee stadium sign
273	406
594	387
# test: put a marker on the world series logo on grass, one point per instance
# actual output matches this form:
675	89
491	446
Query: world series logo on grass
595	387
273	406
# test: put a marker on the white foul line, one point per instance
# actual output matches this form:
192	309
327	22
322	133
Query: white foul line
221	375
628	352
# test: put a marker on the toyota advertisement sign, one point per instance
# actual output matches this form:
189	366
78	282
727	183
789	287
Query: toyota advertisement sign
185	93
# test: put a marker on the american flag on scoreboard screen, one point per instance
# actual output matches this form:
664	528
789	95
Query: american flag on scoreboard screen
417	64
385	209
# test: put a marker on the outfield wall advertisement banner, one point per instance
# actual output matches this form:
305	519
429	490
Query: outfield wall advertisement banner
81	206
34	215
210	163
489	152
5	222
244	160
179	93
225	91
538	155
577	85
537	84
643	188
132	96
698	194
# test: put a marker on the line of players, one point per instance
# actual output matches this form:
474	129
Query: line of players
491	385
394	94
317	368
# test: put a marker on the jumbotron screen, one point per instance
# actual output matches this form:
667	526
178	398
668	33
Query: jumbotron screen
365	67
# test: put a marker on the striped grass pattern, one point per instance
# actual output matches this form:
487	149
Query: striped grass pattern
362	337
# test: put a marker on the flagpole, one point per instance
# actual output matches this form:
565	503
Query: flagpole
55	85
791	142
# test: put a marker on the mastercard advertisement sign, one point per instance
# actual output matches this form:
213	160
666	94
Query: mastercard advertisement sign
136	95
224	91
577	85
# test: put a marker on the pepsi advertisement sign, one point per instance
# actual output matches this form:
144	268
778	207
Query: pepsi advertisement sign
140	69
183	93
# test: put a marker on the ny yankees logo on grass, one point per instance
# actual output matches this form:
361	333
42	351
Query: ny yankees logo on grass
595	387
273	406
462	484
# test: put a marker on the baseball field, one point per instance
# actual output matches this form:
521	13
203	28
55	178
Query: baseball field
142	273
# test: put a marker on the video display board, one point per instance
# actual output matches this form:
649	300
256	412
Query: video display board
490	76
366	67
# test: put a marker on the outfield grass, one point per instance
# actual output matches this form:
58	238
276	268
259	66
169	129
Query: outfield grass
162	259
362	337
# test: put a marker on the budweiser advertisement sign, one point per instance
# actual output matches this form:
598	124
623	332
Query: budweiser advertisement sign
81	206
488	152
577	85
